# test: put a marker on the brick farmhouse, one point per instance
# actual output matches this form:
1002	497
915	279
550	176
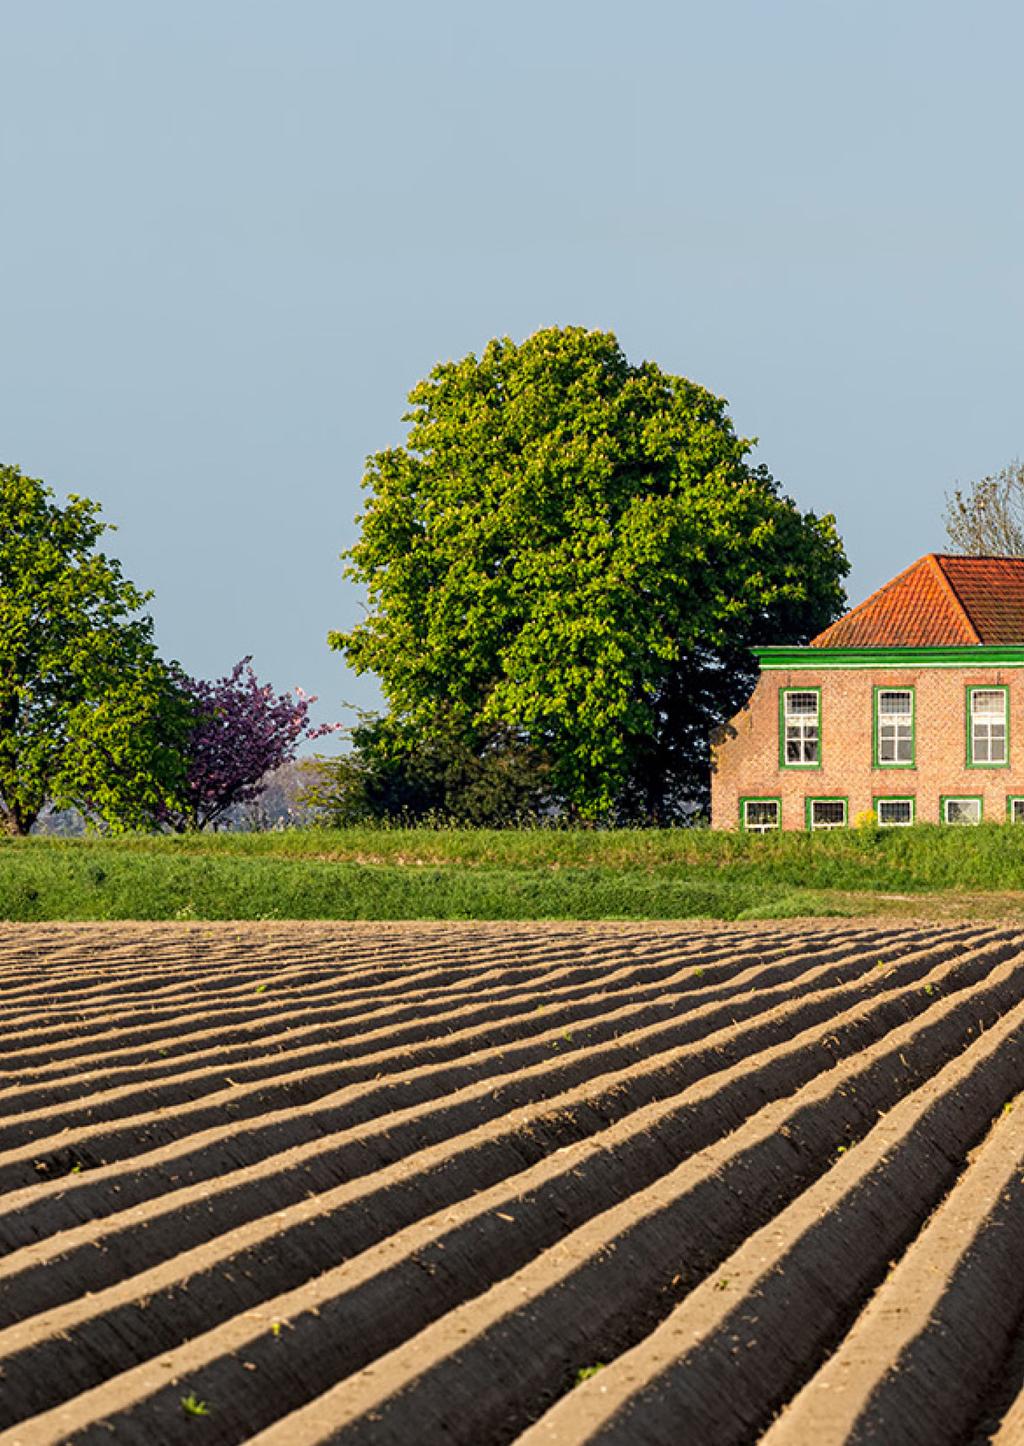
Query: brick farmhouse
911	705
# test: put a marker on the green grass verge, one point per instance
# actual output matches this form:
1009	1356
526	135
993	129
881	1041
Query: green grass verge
485	874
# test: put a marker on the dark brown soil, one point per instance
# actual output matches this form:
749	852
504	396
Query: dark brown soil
411	1183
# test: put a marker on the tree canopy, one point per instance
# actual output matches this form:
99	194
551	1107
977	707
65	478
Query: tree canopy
240	733
579	551
89	715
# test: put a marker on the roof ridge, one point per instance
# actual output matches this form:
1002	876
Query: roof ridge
935	559
980	556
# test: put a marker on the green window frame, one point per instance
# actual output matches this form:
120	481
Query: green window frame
947	798
809	805
798	734
907	798
1015	808
747	827
889	733
986	731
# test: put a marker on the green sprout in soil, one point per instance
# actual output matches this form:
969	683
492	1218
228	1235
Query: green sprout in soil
193	1406
585	1372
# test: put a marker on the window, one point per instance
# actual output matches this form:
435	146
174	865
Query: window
801	733
826	813
1015	809
986	727
760	815
894	727
961	810
894	812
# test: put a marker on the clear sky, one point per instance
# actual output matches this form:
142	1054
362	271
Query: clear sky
234	233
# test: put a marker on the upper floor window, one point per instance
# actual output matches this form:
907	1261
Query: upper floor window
894	727
986	727
801	728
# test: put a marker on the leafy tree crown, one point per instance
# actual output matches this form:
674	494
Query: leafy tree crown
580	551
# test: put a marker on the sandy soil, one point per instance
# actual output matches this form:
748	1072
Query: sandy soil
311	1182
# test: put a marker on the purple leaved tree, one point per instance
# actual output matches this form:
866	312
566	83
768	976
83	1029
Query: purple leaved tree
241	734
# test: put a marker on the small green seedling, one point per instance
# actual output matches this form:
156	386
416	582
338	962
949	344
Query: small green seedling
275	1329
585	1372
261	989
193	1406
722	1283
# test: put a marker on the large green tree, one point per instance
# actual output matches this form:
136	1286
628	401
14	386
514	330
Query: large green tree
579	550
89	715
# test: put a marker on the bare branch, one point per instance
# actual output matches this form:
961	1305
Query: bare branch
987	517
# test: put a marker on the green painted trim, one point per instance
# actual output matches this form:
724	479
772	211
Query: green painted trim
972	655
945	798
896	798
876	762
798	767
757	798
827	798
970	688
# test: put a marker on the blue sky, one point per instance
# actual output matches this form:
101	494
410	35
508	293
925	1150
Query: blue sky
234	233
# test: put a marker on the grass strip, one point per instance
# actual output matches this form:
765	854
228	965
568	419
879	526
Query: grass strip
514	874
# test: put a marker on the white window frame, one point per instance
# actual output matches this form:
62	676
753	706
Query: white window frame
806	729
981	729
894	728
895	822
1014	803
749	827
812	804
961	822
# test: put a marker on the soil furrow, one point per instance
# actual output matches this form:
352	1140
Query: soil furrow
410	1182
919	1361
780	1303
416	984
507	1021
264	1120
242	1274
594	962
501	1148
430	1017
590	1291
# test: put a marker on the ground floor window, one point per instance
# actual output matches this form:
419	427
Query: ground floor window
894	812
826	813
1015	809
760	815
961	810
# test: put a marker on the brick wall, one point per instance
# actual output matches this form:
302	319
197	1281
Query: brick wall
745	758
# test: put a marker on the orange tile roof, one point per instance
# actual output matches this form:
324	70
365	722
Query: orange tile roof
937	601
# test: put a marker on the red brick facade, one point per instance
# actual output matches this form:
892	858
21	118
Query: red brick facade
747	762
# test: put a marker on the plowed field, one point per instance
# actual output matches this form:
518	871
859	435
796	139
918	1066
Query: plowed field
477	1184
